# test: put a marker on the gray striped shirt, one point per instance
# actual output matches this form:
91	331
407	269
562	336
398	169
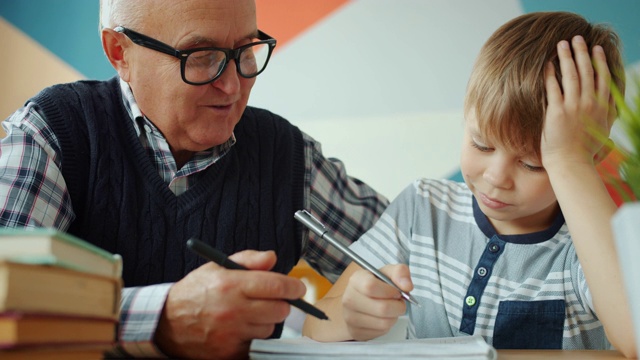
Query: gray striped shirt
517	291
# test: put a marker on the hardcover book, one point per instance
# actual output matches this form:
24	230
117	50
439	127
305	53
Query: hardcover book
19	330
53	289
76	352
48	246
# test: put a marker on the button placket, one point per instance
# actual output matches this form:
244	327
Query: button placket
471	301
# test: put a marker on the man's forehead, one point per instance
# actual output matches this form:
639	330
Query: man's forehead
215	22
208	13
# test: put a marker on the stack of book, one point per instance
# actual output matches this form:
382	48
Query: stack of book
59	296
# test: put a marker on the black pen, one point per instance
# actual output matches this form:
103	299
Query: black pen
213	254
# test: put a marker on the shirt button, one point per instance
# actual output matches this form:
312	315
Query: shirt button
494	248
470	300
482	271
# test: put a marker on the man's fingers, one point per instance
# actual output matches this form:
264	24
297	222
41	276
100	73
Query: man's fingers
255	260
260	331
269	285
266	312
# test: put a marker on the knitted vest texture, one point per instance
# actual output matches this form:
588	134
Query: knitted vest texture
244	201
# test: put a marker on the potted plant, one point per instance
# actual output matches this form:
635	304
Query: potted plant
626	221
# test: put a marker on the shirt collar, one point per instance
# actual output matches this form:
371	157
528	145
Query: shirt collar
532	238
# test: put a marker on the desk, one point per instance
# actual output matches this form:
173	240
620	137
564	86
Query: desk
558	354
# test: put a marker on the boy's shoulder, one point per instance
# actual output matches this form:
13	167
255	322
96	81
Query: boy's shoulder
442	196
439	187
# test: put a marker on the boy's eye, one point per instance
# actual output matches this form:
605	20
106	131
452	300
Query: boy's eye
531	167
480	147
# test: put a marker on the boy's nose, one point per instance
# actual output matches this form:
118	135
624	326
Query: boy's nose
498	174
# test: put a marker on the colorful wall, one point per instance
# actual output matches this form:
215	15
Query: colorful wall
379	82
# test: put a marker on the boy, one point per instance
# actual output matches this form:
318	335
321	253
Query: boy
522	253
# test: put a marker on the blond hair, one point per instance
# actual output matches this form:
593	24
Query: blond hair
506	89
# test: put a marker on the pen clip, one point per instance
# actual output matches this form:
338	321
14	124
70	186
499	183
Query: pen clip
311	222
309	214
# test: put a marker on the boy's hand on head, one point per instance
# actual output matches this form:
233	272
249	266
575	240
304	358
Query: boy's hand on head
370	306
577	108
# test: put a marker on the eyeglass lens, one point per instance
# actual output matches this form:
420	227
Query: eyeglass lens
202	66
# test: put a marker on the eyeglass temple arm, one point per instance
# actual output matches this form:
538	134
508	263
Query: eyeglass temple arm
148	42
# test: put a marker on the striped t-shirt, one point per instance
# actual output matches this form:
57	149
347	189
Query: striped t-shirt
517	291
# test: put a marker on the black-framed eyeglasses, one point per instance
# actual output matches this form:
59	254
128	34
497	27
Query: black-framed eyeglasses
201	66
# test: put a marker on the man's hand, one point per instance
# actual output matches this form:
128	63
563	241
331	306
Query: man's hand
370	306
214	313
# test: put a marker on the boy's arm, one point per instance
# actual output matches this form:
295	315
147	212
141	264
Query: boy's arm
334	329
568	152
359	305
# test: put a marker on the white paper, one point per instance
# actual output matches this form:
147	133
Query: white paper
464	347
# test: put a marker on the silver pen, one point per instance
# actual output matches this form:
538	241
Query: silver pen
319	229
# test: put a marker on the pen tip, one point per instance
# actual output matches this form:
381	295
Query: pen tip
411	299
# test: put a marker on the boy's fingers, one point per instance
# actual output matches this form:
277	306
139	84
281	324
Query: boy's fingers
369	285
570	79
554	93
401	276
585	67
603	75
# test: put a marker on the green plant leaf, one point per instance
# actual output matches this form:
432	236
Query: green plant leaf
629	119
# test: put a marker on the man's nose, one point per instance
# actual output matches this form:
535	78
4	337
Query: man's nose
229	80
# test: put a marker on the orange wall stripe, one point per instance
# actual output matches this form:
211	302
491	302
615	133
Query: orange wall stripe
286	19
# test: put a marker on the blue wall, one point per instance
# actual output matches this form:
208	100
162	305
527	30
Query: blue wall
69	28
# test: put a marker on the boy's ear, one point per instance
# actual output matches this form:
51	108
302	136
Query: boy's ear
114	46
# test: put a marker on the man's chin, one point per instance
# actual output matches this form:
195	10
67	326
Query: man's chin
207	143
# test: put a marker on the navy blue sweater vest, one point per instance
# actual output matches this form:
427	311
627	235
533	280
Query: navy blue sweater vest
244	201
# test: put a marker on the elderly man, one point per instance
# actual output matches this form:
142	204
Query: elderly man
169	150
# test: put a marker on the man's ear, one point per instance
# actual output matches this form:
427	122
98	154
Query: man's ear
114	46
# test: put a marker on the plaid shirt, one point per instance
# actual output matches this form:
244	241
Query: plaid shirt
34	194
